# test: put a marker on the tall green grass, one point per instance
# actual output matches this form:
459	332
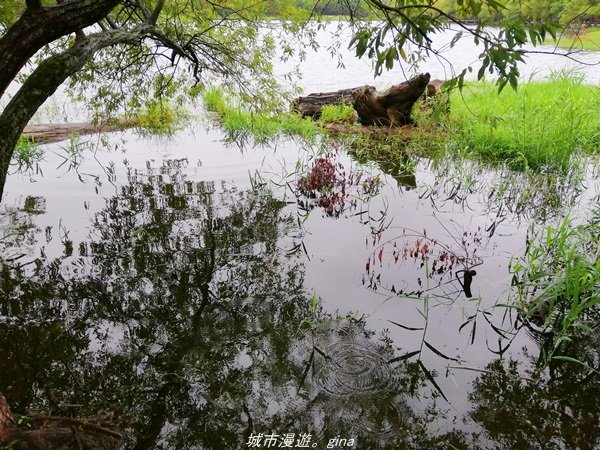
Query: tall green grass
263	125
158	117
542	125
27	153
558	283
341	113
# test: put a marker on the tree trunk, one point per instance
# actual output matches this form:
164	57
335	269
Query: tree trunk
40	26
391	108
46	79
7	424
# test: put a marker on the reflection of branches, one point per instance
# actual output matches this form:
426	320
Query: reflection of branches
532	411
439	260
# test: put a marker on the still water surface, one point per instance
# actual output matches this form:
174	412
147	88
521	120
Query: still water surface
188	286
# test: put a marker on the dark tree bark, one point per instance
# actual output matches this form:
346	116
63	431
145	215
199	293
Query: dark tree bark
40	26
310	106
7	424
46	79
390	108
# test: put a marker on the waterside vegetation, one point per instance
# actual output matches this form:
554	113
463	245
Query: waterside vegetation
556	285
543	126
261	125
580	39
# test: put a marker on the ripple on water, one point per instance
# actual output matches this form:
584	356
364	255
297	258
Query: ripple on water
355	366
356	385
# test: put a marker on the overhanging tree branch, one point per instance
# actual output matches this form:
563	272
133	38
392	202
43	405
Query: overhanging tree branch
157	10
40	26
46	79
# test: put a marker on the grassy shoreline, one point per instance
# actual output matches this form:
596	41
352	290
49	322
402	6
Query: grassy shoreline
588	39
542	126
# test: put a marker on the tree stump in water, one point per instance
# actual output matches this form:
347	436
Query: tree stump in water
390	108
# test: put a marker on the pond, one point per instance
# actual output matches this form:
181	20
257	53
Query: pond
193	292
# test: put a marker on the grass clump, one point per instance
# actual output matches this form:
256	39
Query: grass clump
27	153
341	113
262	126
158	118
557	283
542	125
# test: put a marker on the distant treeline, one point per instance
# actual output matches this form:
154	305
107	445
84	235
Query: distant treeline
563	11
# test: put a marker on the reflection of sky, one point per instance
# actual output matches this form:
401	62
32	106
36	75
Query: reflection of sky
336	248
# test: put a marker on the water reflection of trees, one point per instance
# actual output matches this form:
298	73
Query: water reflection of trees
559	412
502	194
179	315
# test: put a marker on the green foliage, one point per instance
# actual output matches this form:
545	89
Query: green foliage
586	39
557	282
562	11
197	40
159	118
502	30
541	126
261	125
26	154
9	12
354	8
341	113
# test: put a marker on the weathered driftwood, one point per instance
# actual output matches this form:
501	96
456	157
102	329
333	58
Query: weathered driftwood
311	105
434	87
49	133
390	108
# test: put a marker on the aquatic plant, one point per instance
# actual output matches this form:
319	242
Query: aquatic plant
158	117
262	126
442	263
321	177
26	154
557	284
329	186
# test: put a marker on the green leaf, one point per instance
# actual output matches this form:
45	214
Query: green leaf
481	71
404	326
456	38
390	57
501	84
405	356
429	376
437	352
513	82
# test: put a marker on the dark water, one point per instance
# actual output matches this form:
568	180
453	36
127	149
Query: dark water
198	295
193	290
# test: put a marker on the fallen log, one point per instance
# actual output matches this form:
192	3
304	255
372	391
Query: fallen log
50	133
434	87
390	108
